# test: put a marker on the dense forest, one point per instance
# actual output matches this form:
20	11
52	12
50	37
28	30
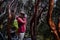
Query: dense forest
37	12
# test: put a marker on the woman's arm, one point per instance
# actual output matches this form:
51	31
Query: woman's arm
21	20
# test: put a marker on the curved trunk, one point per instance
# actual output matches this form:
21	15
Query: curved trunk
51	23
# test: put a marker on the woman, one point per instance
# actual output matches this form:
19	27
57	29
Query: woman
21	24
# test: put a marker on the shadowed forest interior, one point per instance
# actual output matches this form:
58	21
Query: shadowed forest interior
43	19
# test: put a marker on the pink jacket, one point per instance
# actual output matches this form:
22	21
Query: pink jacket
21	24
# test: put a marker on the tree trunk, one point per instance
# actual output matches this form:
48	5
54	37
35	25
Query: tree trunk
51	23
8	29
10	18
59	27
33	24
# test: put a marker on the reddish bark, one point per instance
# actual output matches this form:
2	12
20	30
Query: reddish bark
11	16
33	21
51	23
59	27
9	24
